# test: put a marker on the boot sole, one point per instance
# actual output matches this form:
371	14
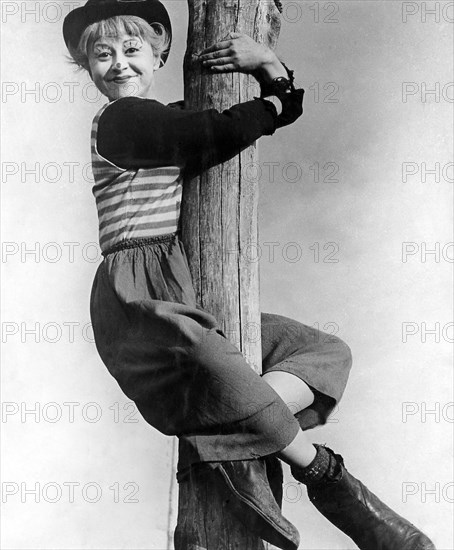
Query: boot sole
257	521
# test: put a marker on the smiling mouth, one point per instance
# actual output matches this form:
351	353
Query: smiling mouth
121	79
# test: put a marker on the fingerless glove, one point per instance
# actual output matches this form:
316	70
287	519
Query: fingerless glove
292	101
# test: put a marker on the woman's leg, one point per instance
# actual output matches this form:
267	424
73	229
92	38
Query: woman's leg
297	395
340	497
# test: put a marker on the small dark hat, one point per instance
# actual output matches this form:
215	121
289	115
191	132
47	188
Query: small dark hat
79	19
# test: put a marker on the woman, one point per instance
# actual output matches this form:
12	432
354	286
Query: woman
165	351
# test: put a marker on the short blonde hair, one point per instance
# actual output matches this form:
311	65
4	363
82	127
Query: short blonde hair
155	34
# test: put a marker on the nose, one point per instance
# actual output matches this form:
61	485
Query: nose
119	65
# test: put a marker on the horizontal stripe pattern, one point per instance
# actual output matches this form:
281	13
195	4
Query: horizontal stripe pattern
133	203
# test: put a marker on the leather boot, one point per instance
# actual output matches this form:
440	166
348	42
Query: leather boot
352	508
254	503
275	475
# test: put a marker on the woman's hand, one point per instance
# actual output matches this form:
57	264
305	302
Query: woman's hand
240	53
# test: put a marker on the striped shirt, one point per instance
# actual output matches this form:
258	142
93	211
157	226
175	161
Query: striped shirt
133	203
142	149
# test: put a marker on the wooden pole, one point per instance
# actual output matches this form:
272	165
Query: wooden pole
219	209
219	225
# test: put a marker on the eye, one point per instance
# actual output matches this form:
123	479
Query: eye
102	52
132	46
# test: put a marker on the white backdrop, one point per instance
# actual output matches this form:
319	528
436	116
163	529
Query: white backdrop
355	226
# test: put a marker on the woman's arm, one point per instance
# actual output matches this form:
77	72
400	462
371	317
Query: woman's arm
240	53
143	133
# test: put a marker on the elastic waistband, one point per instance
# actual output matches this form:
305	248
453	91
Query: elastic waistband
135	243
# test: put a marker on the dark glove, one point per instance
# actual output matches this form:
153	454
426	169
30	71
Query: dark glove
268	88
292	107
290	97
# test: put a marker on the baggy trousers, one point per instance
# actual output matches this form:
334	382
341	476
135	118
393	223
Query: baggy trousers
171	358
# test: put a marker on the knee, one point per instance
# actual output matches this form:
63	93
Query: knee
343	351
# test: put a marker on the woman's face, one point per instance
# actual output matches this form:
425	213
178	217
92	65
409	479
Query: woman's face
122	66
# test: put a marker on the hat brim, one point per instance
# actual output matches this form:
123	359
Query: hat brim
79	19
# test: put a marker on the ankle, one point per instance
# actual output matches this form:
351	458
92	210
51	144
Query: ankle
315	471
326	466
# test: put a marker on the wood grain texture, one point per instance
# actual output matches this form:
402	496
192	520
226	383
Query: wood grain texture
219	208
218	226
205	521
